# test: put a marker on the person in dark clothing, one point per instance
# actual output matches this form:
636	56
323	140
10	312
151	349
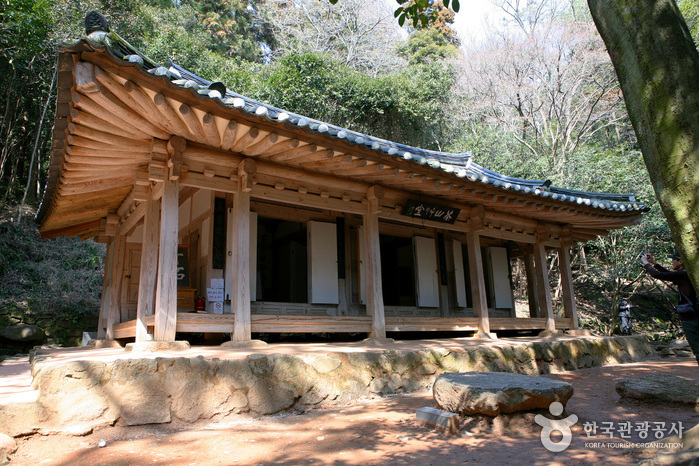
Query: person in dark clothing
679	276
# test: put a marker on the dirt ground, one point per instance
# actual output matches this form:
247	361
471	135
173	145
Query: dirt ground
381	431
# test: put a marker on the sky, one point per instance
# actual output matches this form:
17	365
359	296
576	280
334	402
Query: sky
470	19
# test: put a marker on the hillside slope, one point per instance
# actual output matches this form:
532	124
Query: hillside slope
54	284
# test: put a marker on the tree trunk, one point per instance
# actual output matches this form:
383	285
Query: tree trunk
658	68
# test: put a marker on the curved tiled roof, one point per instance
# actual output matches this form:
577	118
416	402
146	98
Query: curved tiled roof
461	165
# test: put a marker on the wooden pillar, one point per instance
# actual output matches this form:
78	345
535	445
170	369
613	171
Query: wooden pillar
372	258
149	267
166	288
569	306
238	267
117	274
532	288
544	290
106	291
239	270
345	291
478	294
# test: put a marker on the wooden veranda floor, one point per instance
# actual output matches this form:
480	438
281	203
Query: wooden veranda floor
223	323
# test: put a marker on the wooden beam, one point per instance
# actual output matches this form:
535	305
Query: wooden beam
106	292
91	121
149	267
532	287
359	171
372	258
327	161
108	101
114	312
193	124
314	157
67	231
246	173
166	111
213	183
395	215
544	289
96	146
290	154
166	291
238	267
211	130
281	146
308	200
261	146
132	96
67	188
477	277
132	218
246	139
569	306
109	227
229	134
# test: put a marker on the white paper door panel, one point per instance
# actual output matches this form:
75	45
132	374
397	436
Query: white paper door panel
459	275
322	263
500	272
426	272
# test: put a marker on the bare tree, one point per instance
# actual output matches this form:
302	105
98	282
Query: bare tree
548	81
359	34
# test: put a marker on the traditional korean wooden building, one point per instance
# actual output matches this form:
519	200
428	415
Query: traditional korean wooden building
287	224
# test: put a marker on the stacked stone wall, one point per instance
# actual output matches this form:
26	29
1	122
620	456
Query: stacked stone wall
80	395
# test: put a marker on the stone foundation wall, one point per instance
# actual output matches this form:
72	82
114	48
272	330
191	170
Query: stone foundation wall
77	396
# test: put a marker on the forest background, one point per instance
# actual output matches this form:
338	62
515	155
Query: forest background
535	96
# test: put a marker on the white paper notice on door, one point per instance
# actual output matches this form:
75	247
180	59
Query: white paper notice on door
214	295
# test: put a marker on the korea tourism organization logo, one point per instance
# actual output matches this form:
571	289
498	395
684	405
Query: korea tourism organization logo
605	434
550	426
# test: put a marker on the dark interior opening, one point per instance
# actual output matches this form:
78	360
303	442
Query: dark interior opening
282	261
467	276
218	250
397	271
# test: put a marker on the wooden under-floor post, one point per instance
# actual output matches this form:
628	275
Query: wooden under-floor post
372	258
149	268
569	306
544	289
117	274
106	291
239	227
478	295
166	288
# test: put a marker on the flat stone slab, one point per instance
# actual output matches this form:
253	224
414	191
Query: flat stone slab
438	420
492	393
660	387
